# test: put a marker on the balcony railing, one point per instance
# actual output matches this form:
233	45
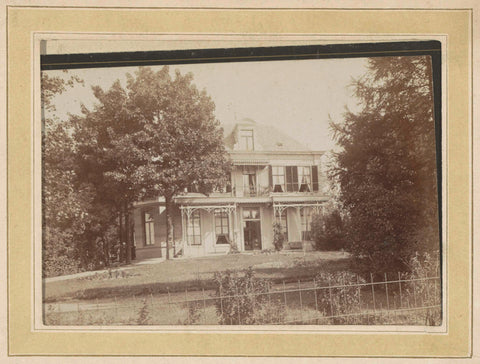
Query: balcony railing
259	191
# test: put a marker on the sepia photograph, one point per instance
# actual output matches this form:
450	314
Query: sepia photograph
297	185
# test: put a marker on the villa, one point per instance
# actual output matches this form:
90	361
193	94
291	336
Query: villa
274	178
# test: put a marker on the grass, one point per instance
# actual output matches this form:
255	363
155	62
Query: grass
190	274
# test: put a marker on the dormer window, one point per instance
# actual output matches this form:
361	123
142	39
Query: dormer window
246	139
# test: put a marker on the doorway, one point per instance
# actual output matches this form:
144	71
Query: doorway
252	232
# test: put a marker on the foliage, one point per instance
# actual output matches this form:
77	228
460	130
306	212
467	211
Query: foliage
244	295
181	140
386	166
156	136
278	236
143	313
63	204
342	299
193	314
422	291
328	231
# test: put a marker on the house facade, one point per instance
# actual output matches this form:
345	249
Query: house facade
274	179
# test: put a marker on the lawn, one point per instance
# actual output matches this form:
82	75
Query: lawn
177	275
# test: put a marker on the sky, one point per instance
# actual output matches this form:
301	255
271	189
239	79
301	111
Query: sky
297	97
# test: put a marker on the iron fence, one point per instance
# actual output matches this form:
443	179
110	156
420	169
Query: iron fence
400	301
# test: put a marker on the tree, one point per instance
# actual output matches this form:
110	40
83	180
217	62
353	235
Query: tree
157	136
328	231
181	136
63	205
386	166
112	157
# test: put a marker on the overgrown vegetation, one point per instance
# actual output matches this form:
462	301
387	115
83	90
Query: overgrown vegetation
328	231
342	299
386	166
278	236
131	145
245	299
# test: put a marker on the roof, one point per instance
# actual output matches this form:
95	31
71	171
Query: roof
267	137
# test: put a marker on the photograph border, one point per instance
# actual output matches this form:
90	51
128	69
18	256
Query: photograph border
22	341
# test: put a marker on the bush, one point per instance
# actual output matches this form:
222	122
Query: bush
246	299
278	236
328	231
343	299
425	292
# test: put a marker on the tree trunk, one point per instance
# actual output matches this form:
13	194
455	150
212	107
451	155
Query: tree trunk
132	233
168	214
128	246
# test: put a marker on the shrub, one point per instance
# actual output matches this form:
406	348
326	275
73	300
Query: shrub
278	236
328	231
425	292
193	316
342	299
245	298
143	314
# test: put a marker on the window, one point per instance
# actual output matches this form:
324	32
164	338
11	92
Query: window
221	227
284	224
149	228
193	229
304	179
291	178
246	139
306	220
251	213
278	179
249	181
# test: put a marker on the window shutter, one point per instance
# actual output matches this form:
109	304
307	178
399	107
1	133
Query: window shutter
289	178
229	183
315	178
270	177
295	178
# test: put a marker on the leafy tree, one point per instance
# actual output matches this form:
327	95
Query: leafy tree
63	205
109	157
157	136
328	231
386	167
182	139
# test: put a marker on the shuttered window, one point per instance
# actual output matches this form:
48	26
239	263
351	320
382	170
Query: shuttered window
292	178
315	178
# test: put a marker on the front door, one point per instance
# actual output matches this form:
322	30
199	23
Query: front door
252	233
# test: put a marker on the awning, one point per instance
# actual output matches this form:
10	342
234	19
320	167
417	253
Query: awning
250	162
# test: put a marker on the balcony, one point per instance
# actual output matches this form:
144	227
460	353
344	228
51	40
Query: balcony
251	191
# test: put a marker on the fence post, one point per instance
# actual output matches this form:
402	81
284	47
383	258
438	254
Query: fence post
400	288
284	295
188	305
204	307
316	300
414	293
221	301
331	300
359	295
238	305
373	292
301	303
427	293
116	309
